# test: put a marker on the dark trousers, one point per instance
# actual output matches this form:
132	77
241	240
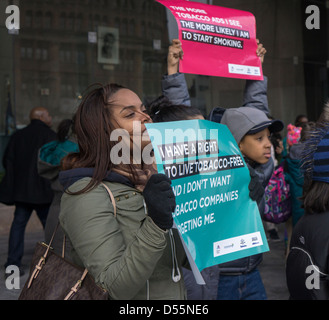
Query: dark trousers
22	215
248	286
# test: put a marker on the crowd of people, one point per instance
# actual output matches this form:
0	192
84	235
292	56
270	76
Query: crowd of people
133	252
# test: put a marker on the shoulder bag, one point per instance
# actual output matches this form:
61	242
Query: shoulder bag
54	278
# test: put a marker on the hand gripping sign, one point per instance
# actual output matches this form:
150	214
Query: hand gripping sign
214	214
217	41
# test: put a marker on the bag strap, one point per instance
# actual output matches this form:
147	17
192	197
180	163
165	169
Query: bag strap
42	260
112	199
76	287
63	245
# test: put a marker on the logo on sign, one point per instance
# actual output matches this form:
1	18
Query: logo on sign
254	240
242	243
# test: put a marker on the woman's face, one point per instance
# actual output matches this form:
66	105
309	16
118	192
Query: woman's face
129	113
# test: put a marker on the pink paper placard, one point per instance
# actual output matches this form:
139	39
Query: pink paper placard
217	41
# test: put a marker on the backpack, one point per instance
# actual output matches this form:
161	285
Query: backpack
277	198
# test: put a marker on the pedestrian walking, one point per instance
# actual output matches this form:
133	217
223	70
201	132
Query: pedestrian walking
22	186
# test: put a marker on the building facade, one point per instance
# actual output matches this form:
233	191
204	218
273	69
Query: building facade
58	51
64	46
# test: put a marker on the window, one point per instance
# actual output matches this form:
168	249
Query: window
44	54
105	21
132	27
48	20
38	20
28	19
90	23
78	22
29	53
124	26
70	22
23	52
97	20
62	21
80	57
65	55
37	54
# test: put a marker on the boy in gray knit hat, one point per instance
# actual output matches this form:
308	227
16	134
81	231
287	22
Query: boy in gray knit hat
251	129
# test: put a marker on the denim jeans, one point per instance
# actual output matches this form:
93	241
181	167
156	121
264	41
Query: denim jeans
247	286
22	215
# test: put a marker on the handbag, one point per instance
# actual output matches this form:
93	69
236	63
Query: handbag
54	278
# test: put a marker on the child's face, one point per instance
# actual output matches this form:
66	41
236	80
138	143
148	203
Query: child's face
257	147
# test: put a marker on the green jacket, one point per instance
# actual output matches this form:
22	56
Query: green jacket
128	255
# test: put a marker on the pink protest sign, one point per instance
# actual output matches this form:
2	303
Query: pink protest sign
217	41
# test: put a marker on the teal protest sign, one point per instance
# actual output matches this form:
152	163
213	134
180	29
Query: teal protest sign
214	214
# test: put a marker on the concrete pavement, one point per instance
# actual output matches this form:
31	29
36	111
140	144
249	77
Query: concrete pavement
272	268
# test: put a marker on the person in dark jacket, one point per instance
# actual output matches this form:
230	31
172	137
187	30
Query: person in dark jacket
307	269
22	186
